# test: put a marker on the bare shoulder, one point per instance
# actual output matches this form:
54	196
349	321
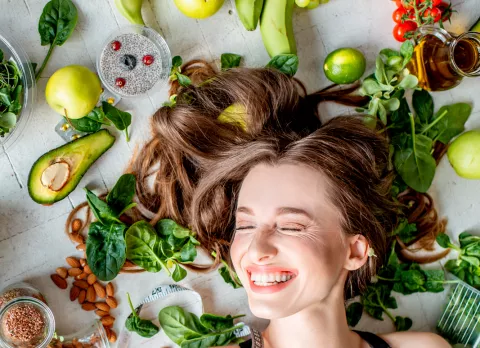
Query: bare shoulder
415	339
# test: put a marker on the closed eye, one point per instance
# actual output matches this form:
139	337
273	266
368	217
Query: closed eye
290	229
245	228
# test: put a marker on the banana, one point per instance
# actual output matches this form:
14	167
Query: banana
276	26
131	10
249	12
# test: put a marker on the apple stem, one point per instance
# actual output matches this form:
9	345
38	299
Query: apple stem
44	64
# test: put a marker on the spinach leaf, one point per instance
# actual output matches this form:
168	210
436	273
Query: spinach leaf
188	253
450	121
285	63
466	238
5	96
406	50
413	159
143	327
85	124
434	280
230	60
179	273
188	331
423	105
407	232
403	323
120	119
177	62
120	197
178	324
143	247
100	209
176	73
227	277
444	241
354	313
106	249
56	24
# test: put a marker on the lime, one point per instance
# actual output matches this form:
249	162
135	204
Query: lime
345	65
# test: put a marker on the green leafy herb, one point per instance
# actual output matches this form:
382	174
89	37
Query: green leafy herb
449	122
120	119
56	24
106	249
228	275
188	331
407	232
102	211
403	323
354	313
10	94
285	63
120	197
143	327
154	250
230	60
423	105
176	72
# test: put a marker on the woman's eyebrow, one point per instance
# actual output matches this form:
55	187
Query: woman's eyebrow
291	210
245	210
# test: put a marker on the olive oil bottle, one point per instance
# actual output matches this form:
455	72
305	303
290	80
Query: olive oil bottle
440	61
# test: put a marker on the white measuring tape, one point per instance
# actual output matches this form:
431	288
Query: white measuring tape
160	297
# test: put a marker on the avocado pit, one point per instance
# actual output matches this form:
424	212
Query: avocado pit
55	176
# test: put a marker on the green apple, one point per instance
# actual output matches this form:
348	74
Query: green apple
235	114
464	155
199	8
73	91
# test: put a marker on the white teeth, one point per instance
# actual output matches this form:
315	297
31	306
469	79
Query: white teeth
278	277
284	277
269	279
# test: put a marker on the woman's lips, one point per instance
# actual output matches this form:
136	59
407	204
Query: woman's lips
269	279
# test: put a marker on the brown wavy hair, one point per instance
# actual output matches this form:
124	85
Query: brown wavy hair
352	157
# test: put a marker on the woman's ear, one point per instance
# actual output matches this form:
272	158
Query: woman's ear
357	252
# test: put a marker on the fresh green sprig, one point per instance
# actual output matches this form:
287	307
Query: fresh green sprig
176	72
10	94
143	327
228	275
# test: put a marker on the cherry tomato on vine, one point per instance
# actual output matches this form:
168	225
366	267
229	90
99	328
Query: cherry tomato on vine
435	3
408	4
399	15
433	13
446	10
401	30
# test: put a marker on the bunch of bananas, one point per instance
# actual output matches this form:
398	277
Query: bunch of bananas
276	25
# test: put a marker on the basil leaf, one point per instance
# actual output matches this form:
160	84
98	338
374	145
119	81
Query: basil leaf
285	63
122	193
57	22
100	209
120	119
354	313
230	60
423	105
179	273
106	249
143	247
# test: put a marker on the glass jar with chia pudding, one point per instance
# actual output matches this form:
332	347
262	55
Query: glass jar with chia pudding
26	322
16	290
134	60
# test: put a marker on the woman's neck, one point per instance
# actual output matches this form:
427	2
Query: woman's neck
321	325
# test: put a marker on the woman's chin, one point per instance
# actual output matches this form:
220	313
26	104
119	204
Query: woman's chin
267	309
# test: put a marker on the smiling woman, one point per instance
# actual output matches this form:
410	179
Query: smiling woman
297	207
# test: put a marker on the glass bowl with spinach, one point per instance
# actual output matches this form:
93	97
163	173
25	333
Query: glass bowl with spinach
17	91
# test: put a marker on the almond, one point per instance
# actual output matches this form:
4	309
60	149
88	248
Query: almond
100	290
82	296
76	225
111	301
108	332
91	296
91	279
81	247
87	269
83	262
88	306
110	289
103	306
59	281
107	320
73	262
81	276
82	284
77	238
74	293
113	337
62	272
72	272
101	313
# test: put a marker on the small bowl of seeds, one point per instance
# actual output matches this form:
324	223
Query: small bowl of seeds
134	60
26	322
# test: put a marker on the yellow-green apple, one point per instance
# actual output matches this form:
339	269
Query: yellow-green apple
199	8
73	91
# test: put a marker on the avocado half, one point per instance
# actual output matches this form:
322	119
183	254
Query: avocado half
54	175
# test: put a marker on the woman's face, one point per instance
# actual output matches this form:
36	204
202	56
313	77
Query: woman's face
289	250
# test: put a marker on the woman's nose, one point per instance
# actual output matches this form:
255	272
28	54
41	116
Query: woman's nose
262	248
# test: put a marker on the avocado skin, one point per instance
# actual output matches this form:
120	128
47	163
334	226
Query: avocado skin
86	150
